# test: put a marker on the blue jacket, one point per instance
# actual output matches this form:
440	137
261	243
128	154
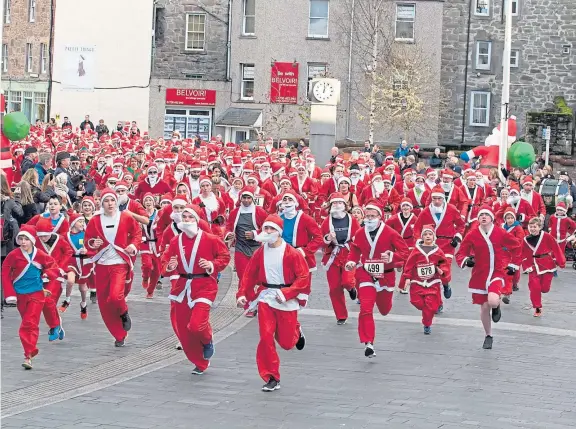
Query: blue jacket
41	172
400	151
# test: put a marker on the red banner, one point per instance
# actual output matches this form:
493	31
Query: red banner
190	97
284	83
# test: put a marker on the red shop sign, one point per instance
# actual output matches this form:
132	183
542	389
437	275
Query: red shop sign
284	83
190	97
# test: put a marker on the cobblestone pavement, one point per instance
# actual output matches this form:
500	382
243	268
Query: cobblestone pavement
445	380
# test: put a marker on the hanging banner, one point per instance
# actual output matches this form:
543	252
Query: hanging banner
78	67
284	83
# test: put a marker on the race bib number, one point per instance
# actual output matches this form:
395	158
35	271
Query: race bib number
426	271
259	200
375	267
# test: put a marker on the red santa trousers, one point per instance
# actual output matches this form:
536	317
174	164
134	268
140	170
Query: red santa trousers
110	283
338	280
509	281
50	310
368	297
240	262
539	284
427	300
274	324
151	270
192	327
30	308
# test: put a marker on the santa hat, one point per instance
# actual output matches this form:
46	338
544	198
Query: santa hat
326	172
248	167
147	195
205	179
407	171
248	190
337	197
178	200
528	180
166	198
107	192
253	177
514	190
373	205
122	185
44	227
291	194
561	206
284	179
29	232
153	165
274	221
507	211
430	171
236	161
237	179
118	161
407	201
447	173
429	228
360	209
192	209
185	185
90	200
420	176
376	175
74	217
485	209
387	178
437	191
345	179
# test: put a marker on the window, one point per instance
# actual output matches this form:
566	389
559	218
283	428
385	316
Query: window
249	17
27	106
39	106
483	55
247	85
405	17
482	7
5	57
480	109
31	10
28	58
15	101
314	71
514	55
514	7
195	32
318	23
7	11
43	57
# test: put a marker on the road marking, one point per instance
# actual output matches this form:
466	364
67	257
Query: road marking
469	323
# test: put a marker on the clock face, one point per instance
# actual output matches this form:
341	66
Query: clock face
323	91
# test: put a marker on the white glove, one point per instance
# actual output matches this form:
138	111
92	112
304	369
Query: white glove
349	266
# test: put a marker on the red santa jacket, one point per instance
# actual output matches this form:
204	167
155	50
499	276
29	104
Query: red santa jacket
135	207
544	257
337	253
150	238
523	210
449	225
308	189
62	227
406	230
307	238
561	227
172	231
457	198
258	218
518	233
263	198
315	173
369	193
17	263
295	289
475	202
160	188
326	189
535	200
188	279
271	187
61	251
421	268
367	254
211	213
492	252
418	202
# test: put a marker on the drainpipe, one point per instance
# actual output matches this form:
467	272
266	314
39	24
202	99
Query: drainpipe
349	88
229	42
466	71
50	60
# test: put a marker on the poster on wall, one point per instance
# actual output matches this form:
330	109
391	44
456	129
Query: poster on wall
284	83
78	67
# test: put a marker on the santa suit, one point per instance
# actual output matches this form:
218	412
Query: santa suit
194	290
541	261
315	173
307	189
134	207
535	200
212	206
421	269
404	227
193	185
280	271
457	198
272	187
263	199
516	258
369	193
418	199
114	267
61	227
524	212
172	231
376	286
242	220
489	194
334	259
476	198
31	299
449	226
160	188
150	253
79	263
491	258
326	189
561	228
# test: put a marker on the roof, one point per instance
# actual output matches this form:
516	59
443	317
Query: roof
240	117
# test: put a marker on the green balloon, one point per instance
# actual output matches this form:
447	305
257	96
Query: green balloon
521	155
16	126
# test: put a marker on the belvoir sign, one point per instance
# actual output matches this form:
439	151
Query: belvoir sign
190	97
284	83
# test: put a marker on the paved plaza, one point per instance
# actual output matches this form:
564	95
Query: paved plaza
445	380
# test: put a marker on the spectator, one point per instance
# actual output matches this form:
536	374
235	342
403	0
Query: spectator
42	166
134	131
334	152
30	158
435	160
548	172
402	150
377	156
63	166
101	128
120	127
415	152
563	175
86	123
410	162
66	123
29	207
421	168
31	178
367	146
11	209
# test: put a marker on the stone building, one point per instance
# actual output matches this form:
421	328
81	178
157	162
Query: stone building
543	63
25	59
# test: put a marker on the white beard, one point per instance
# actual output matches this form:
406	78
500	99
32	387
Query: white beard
190	229
152	181
178	175
176	217
264	237
337	213
122	199
354	180
379	187
289	211
437	210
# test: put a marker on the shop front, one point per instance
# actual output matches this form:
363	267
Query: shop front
190	112
27	97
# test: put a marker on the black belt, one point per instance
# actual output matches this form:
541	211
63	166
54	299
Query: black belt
407	237
81	256
540	256
151	240
268	285
444	236
194	276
